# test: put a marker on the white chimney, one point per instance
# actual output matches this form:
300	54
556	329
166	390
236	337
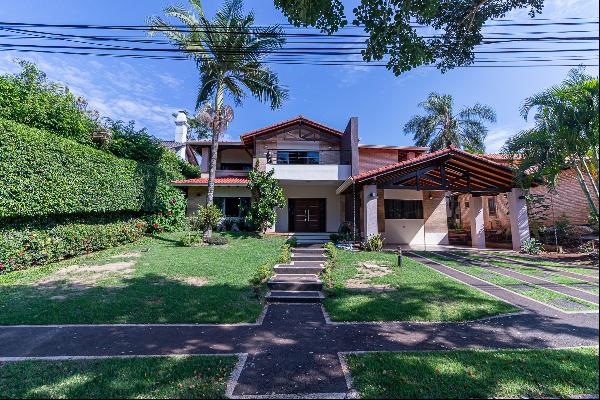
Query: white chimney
181	133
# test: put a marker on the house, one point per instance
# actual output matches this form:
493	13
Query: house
330	179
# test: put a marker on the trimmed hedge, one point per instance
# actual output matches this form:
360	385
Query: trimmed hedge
42	174
30	246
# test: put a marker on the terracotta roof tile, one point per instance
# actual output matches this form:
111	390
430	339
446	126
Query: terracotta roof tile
223	180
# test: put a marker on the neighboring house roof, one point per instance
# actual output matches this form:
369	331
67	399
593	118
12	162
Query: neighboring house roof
202	143
248	137
224	180
171	144
386	147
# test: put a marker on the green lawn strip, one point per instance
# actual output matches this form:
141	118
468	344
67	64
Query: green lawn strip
421	294
534	272
202	377
169	284
463	374
535	292
547	263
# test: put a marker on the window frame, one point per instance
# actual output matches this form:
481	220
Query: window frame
294	157
403	209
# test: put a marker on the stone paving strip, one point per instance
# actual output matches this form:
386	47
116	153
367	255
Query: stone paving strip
552	269
516	273
512	290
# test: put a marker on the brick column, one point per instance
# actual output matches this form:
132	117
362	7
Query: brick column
519	220
370	210
477	222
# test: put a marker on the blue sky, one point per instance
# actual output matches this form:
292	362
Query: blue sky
148	91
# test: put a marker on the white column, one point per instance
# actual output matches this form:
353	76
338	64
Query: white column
477	222
519	220
181	133
370	210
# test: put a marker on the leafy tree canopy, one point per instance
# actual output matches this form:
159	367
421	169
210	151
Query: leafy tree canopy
392	31
267	195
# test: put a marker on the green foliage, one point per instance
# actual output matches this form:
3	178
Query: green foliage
441	128
531	246
28	246
330	265
393	34
286	254
207	217
190	238
168	209
29	98
373	243
267	195
261	276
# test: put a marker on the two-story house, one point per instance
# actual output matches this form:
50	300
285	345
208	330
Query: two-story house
330	178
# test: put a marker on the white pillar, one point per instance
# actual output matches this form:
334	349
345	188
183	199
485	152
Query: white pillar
519	220
370	210
477	222
181	133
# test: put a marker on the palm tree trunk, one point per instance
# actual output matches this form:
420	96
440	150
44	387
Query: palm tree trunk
590	177
214	148
585	189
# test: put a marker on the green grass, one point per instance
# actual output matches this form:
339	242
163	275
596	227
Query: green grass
533	291
201	377
554	264
476	374
156	291
532	271
421	294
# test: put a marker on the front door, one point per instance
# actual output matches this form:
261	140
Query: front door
307	215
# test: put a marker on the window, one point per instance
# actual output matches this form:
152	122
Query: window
403	209
236	167
233	206
492	206
297	157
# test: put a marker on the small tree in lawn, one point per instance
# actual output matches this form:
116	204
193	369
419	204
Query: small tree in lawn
267	195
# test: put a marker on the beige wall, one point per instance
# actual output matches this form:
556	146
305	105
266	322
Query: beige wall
197	195
311	192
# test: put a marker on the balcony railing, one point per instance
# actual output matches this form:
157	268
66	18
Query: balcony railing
308	157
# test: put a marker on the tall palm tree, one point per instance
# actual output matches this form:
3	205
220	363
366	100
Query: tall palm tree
565	134
229	53
440	127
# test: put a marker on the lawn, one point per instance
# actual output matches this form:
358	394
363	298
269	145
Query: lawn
201	377
420	293
154	281
476	374
584	270
516	285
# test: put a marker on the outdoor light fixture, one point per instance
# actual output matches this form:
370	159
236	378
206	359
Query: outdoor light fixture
430	196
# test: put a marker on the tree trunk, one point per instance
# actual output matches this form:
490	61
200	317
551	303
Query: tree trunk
214	148
585	189
589	175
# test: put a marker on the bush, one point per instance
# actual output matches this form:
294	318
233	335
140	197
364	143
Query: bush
531	246
168	210
286	254
373	243
28	246
267	196
29	98
261	276
216	240
332	253
189	239
207	217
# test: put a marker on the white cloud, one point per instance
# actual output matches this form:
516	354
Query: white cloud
496	139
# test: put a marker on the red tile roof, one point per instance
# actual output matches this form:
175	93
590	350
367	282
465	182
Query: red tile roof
223	180
300	119
391	167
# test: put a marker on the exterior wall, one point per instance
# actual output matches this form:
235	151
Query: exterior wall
233	156
197	195
311	192
498	222
375	158
433	229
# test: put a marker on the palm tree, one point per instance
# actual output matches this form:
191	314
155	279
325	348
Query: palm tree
441	128
229	53
565	134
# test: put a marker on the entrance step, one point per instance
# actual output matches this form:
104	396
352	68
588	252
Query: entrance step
308	238
307	251
286	269
310	257
295	282
292	296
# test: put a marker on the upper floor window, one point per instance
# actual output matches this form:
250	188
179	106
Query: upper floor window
236	166
297	157
403	209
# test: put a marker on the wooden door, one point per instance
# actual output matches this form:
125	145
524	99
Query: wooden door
307	215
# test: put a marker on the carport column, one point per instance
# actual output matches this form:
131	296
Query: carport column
519	220
477	222
370	210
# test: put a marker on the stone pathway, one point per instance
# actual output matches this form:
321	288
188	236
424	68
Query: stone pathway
294	350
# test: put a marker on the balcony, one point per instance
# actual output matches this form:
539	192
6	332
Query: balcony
310	172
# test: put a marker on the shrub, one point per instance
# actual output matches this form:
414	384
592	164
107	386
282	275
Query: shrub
207	217
531	246
286	254
168	210
216	240
373	243
190	238
267	196
261	276
28	246
332	253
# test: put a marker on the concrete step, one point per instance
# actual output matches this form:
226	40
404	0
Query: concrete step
287	269
290	296
297	285
296	257
308	251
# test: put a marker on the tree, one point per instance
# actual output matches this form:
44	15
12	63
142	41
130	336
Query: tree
395	27
229	54
565	135
441	128
267	195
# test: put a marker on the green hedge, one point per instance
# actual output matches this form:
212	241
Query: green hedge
42	174
25	247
